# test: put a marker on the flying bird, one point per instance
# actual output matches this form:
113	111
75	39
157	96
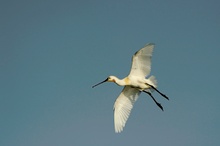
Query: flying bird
135	83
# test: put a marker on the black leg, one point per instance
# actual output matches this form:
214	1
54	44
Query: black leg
158	91
158	104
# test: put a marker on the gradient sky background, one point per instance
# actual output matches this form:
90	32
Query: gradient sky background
52	52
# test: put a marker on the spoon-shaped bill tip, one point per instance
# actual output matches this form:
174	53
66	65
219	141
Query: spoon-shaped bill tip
100	83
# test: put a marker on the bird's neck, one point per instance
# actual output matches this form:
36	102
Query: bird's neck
122	82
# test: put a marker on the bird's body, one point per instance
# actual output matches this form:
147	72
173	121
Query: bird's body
134	81
134	84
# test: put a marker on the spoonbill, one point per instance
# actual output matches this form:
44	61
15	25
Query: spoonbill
135	83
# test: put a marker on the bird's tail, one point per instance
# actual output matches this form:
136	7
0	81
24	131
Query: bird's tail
153	81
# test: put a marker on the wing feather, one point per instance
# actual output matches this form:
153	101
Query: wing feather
123	105
141	61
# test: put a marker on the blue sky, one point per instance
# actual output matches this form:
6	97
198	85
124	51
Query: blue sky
52	52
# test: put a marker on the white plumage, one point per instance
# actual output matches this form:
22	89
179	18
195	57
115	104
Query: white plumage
134	84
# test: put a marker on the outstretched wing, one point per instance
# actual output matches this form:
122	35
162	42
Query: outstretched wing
123	105
141	61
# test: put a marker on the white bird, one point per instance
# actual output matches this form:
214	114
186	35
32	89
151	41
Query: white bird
134	84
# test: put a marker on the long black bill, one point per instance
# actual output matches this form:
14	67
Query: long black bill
100	83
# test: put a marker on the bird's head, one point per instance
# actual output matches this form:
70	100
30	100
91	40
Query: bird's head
109	79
